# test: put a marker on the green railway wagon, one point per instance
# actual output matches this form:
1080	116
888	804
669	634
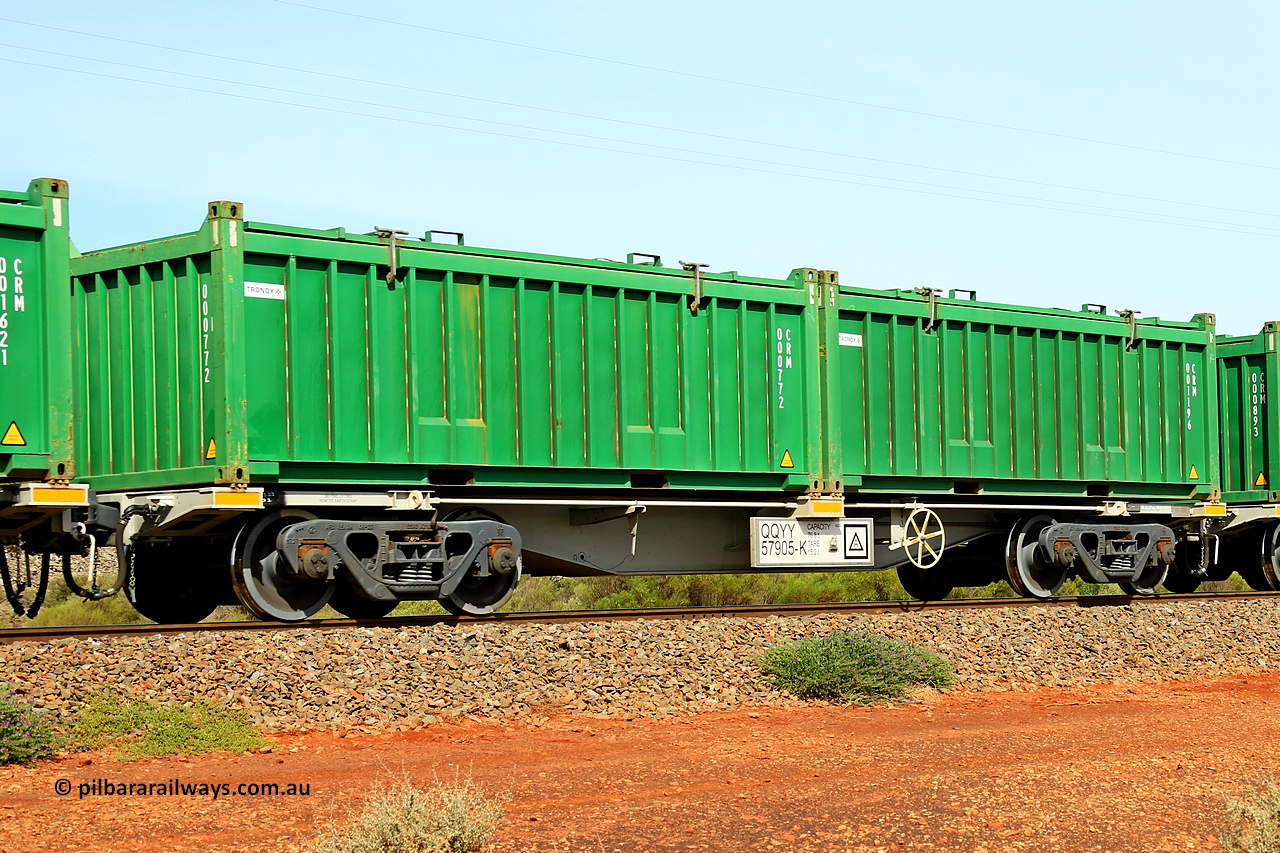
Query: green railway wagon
248	367
36	460
358	419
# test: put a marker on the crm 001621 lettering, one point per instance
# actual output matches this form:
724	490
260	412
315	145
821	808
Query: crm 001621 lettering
13	300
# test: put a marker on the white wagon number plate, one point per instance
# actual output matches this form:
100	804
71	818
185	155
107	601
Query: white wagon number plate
798	542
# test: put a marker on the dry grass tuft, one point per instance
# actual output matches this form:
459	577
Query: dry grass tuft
445	818
1253	823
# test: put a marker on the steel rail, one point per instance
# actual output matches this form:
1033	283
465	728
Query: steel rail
13	635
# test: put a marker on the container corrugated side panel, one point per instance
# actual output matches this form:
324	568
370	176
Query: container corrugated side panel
35	359
1247	369
522	370
1002	400
159	367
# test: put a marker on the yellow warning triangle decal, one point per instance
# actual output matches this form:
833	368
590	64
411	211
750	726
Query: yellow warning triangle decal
13	436
212	452
1262	479
786	459
1193	475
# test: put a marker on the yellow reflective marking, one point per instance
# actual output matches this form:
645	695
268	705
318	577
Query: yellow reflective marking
828	506
61	496
1193	475
1215	509
212	452
786	459
1262	479
13	436
237	499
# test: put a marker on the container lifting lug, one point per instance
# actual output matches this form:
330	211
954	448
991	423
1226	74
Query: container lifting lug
390	235
695	298
459	239
930	295
1132	316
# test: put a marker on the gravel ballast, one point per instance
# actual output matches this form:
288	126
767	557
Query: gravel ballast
371	678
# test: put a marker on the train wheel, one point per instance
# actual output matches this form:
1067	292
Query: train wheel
172	583
260	573
1191	567
1240	554
481	594
924	584
353	605
1271	555
1028	572
1254	577
1147	581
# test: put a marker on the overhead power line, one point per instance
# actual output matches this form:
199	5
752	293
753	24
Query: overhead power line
596	138
590	117
1118	214
777	89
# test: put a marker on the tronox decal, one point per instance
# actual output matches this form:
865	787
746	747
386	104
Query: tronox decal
850	339
262	290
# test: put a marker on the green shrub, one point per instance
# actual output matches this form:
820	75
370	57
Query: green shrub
804	587
419	608
230	613
72	610
858	667
1080	586
1253	823
455	818
1235	583
596	593
26	734
139	728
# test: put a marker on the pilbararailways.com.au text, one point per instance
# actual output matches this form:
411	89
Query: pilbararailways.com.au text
178	788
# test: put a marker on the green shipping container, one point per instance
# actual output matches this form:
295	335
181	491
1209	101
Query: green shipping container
35	334
247	352
946	395
1250	434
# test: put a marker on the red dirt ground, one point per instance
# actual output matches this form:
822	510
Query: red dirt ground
1118	768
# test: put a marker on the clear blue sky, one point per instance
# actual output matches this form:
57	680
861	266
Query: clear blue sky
1125	153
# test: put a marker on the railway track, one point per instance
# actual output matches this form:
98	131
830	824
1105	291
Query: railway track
13	635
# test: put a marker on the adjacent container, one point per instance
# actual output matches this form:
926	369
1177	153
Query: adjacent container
247	352
35	335
1250	435
948	395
